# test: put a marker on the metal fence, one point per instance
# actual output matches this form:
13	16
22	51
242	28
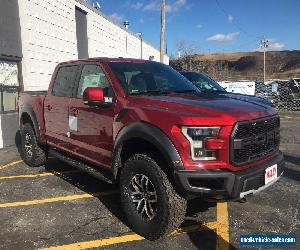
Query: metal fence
285	95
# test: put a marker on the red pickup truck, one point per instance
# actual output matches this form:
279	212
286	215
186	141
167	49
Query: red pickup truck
144	126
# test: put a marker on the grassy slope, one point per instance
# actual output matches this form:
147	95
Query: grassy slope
244	65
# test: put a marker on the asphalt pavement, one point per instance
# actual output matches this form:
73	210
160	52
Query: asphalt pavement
59	207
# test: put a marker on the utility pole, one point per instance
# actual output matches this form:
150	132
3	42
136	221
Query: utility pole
140	34
264	44
162	31
126	25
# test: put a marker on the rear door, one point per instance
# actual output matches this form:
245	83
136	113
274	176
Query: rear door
56	106
92	127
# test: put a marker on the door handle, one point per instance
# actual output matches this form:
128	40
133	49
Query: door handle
49	107
74	111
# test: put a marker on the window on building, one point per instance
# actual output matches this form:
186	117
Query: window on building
93	76
81	33
9	86
64	81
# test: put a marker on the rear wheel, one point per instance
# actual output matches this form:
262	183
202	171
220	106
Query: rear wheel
152	206
32	153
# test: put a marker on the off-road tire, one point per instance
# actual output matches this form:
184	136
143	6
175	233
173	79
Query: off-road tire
38	154
171	207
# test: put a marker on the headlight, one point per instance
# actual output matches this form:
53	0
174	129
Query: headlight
197	137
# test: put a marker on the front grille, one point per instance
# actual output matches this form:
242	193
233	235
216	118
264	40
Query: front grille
254	140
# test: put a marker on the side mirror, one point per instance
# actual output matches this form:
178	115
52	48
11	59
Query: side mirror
93	96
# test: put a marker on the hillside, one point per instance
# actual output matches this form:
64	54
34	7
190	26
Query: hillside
243	65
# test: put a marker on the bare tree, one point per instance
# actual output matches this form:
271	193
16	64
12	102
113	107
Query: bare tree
186	51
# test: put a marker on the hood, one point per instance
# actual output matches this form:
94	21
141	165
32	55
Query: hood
204	108
249	98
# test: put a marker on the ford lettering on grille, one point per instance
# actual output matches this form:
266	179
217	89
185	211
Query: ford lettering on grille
251	141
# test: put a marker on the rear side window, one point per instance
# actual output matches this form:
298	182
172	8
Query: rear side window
64	81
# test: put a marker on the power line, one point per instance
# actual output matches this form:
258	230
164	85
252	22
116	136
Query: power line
252	41
234	23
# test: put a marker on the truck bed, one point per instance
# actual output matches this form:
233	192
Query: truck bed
32	103
35	93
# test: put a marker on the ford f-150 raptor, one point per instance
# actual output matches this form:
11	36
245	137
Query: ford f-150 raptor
142	125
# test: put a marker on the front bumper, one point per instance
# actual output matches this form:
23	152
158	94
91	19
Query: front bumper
224	184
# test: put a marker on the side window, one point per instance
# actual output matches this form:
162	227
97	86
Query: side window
64	81
93	76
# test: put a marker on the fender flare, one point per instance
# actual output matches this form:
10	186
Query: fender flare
29	111
151	134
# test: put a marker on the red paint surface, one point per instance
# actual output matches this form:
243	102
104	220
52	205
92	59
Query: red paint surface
97	128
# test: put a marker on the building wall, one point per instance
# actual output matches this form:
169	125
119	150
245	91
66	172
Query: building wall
42	33
8	129
10	50
10	30
107	38
48	31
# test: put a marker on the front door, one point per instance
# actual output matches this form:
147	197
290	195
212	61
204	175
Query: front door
91	127
56	107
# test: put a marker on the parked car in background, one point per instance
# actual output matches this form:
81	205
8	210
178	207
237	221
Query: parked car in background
207	85
145	127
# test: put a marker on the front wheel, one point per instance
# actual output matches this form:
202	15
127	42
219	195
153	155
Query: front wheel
152	206
32	153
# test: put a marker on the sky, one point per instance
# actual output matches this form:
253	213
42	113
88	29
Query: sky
212	26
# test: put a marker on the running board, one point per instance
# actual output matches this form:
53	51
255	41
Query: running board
96	172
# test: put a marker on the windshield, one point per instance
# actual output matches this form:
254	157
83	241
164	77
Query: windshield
202	82
150	78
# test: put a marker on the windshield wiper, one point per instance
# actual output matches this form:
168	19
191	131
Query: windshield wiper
151	92
185	91
160	92
214	91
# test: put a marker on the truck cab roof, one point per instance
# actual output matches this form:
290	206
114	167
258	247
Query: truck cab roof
106	60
